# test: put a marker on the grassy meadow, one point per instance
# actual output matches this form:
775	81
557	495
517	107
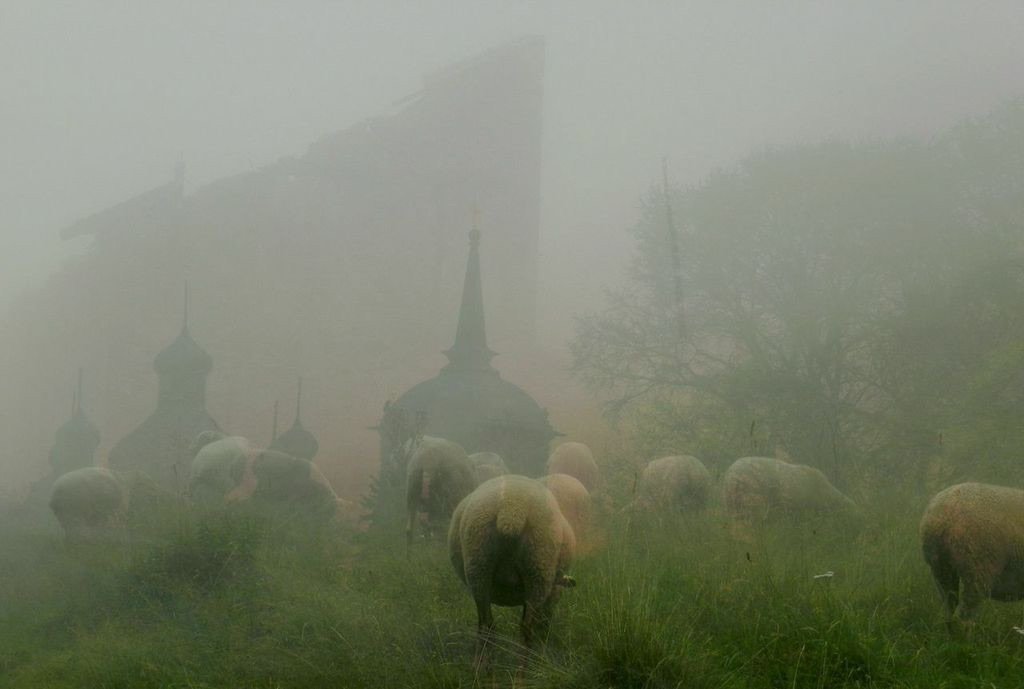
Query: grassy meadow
231	601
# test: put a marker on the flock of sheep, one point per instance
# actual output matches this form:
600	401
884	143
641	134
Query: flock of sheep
512	539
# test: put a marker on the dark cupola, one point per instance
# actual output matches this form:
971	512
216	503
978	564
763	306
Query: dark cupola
74	443
159	446
468	401
296	441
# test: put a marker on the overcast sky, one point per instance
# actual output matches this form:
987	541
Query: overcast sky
99	99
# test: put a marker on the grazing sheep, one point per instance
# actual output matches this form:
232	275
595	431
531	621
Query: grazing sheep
96	504
487	465
973	533
756	488
230	470
577	460
276	481
216	464
674	484
574	500
439	475
511	545
91	505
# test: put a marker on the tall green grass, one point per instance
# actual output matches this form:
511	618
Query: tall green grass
230	600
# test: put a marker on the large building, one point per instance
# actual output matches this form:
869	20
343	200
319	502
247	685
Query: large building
341	263
468	401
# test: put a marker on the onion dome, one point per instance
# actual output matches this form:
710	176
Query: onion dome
159	446
297	441
183	356
468	401
75	442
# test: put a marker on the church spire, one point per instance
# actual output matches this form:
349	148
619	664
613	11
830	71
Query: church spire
76	441
470	350
296	441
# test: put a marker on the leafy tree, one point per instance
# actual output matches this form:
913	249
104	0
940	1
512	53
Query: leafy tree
832	301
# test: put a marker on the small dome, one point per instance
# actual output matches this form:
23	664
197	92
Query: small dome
475	408
183	355
297	442
468	402
74	444
481	397
80	431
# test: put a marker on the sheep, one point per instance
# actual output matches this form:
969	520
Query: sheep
91	505
230	471
510	545
577	460
755	488
216	461
94	504
274	480
487	465
679	483
973	533
573	500
438	476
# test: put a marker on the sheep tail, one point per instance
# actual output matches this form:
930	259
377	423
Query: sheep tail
511	519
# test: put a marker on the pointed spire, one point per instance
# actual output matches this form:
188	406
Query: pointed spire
296	441
76	441
470	350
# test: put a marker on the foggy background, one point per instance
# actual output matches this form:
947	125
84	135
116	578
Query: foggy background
99	101
100	104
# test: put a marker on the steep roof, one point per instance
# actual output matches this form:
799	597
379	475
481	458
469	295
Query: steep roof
156	205
297	441
470	350
468	401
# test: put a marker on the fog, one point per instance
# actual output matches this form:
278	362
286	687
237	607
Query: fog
99	102
321	322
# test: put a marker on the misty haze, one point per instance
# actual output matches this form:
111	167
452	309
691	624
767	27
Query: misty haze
512	344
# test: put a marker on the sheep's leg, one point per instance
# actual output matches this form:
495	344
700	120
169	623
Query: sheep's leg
948	582
484	629
536	615
976	590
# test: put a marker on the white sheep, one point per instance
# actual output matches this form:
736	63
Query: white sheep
756	488
96	504
577	460
574	501
680	483
972	534
438	476
230	470
511	545
487	465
